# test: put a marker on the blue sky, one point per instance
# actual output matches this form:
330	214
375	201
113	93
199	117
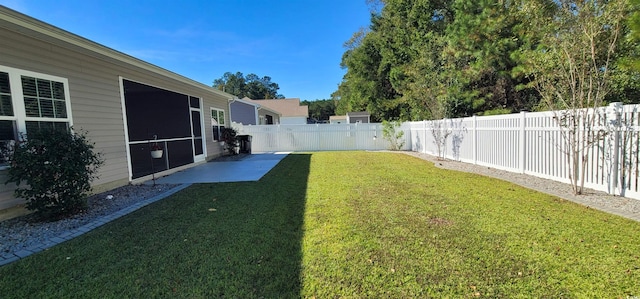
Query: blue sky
298	43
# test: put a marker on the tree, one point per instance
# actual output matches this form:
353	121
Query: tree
231	83
251	86
634	33
375	59
625	85
465	54
571	69
366	85
481	40
422	79
320	110
415	52
392	133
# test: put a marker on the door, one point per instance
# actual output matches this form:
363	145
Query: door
196	133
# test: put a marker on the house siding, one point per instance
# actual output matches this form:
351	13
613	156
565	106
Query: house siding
293	120
243	113
355	119
95	96
263	113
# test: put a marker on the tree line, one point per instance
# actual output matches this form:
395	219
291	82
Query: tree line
430	59
251	86
256	88
320	110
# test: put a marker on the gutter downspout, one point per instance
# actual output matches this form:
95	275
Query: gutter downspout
258	107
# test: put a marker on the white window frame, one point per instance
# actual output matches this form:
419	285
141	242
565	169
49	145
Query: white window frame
221	122
17	98
20	117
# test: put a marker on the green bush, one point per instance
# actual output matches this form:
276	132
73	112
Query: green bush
230	138
53	170
392	133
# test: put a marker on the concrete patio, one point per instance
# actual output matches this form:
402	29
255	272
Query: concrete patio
250	168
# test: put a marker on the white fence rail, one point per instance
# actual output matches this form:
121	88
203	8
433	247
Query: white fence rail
530	143
533	143
320	137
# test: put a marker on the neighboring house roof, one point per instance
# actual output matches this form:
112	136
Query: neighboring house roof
19	22
287	107
252	103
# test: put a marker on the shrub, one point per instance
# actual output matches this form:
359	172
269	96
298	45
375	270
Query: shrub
56	168
391	133
230	138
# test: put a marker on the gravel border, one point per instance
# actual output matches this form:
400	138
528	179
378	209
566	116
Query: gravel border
23	236
621	206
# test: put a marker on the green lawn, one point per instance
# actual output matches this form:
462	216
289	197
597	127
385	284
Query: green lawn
345	224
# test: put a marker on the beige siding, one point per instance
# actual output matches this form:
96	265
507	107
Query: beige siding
95	101
96	104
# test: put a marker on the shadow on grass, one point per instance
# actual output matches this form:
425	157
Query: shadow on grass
238	240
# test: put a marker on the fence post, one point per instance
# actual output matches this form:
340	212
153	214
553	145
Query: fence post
357	137
523	140
614	112
443	132
474	139
278	133
424	136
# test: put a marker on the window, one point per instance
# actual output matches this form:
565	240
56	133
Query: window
194	102
43	98
6	108
30	101
217	123
7	124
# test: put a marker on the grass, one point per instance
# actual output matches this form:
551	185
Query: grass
345	224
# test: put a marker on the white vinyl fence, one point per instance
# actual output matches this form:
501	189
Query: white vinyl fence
529	142
533	143
318	137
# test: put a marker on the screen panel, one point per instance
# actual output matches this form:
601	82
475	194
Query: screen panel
180	153
141	161
155	111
